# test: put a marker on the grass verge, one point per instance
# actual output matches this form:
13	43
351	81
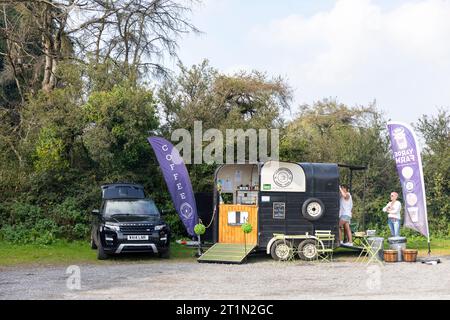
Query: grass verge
79	252
438	246
62	252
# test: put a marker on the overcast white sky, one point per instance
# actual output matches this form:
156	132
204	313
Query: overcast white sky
394	51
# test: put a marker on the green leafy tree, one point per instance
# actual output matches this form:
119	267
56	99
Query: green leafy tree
49	150
436	161
243	100
329	131
76	108
118	123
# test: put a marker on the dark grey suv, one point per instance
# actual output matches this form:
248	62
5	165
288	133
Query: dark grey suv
127	221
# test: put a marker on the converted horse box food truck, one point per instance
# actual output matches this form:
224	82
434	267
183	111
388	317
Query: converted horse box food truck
291	200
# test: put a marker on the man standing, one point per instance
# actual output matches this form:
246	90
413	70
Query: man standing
393	209
345	215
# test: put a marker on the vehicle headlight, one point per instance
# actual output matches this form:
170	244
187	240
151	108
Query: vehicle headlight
112	226
160	227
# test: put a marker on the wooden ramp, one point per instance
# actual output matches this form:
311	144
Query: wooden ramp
227	253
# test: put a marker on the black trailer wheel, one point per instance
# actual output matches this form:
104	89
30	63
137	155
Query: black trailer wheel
307	250
313	209
280	250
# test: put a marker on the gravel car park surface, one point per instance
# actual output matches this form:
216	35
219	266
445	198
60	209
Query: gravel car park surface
261	278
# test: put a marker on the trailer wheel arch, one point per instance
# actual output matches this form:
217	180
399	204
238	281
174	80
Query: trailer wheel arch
313	209
269	245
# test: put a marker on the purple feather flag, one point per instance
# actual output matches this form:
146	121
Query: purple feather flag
409	167
177	180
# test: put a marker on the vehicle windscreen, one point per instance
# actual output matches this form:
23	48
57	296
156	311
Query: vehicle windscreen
130	207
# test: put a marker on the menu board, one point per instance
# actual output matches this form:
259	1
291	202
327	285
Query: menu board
279	210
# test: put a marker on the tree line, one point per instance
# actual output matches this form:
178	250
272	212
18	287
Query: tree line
83	84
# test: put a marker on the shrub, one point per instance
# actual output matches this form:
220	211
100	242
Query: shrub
23	222
80	231
199	229
44	232
247	227
18	234
176	226
4	214
24	213
72	219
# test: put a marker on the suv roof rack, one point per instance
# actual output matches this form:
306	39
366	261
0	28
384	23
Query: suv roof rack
122	191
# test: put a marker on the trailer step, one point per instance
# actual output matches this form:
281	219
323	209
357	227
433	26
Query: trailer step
354	247
227	253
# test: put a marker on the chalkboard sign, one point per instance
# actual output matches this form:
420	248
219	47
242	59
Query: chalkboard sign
279	210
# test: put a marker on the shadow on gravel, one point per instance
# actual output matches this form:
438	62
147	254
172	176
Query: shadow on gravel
147	257
338	256
190	256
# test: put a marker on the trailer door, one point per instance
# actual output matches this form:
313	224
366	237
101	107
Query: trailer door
231	218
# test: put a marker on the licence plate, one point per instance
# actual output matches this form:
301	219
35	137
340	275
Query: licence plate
137	237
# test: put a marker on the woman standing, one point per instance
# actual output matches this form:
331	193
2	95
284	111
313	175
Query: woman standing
345	215
393	209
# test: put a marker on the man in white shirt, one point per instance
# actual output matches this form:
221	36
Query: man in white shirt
393	209
345	215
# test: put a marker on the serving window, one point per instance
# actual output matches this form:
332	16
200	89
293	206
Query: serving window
238	184
237	218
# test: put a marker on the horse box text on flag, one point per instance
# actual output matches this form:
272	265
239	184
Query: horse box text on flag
409	167
177	180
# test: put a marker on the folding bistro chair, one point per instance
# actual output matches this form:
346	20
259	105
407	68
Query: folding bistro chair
293	249
325	246
368	253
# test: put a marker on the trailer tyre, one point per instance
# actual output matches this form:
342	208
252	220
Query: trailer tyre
313	209
307	250
280	250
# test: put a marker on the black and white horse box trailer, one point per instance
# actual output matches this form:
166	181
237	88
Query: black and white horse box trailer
279	199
